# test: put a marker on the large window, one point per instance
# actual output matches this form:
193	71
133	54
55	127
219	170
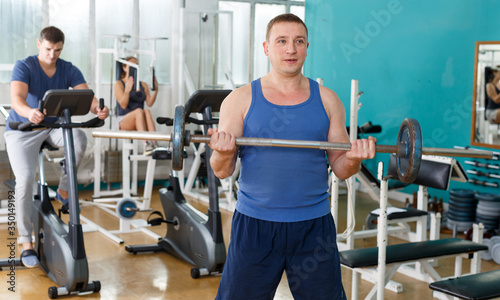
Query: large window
250	21
116	17
21	22
20	25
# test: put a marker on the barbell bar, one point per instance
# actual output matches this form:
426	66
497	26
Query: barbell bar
408	148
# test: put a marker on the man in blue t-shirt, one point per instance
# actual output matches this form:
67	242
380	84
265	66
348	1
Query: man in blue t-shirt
282	221
31	78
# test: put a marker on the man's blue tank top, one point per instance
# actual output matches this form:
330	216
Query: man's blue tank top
284	184
136	100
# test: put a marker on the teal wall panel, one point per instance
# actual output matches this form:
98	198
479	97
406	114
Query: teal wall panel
412	59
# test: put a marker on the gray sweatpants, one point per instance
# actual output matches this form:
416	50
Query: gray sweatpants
23	149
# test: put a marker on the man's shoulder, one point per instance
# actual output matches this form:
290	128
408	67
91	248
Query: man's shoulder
328	94
24	68
331	101
30	59
239	99
244	89
70	71
28	62
241	93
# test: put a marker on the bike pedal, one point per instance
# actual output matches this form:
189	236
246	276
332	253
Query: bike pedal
155	221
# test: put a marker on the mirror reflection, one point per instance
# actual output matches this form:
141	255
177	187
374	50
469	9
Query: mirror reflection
486	96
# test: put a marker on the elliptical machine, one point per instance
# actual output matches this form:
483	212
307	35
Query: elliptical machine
60	246
191	235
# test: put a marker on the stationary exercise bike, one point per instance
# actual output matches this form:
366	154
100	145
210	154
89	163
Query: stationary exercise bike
60	246
191	235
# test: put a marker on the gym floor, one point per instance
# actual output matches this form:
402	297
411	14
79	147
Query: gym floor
161	276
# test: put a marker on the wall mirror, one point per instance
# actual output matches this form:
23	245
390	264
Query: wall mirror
483	133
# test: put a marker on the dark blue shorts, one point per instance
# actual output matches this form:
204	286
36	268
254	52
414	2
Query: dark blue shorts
260	251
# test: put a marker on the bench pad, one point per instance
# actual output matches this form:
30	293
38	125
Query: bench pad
408	213
368	257
478	286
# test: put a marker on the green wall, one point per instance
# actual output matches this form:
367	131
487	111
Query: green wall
412	59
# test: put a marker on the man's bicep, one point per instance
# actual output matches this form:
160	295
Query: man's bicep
21	72
231	116
76	78
337	132
18	90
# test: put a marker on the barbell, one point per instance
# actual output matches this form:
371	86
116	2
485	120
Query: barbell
408	149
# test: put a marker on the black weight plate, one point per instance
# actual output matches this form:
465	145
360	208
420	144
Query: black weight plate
462	214
458	218
178	138
461	219
463	199
488	213
487	218
489	205
464	193
488	197
409	154
462	209
487	222
462	204
490	210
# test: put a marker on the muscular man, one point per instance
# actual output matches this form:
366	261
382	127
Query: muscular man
282	220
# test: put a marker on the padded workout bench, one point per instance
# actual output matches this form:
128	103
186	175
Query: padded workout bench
435	172
364	261
396	255
474	287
